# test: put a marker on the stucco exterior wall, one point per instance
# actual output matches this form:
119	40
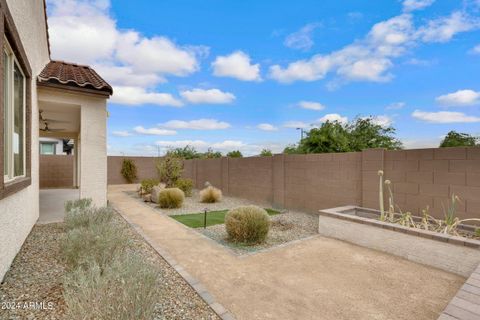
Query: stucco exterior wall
19	212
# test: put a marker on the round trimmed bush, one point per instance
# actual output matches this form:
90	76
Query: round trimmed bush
211	195
170	198
248	224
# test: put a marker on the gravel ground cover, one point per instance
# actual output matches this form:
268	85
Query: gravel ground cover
285	227
36	276
194	205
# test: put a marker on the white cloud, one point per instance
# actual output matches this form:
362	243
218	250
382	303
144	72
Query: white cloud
444	117
267	127
121	133
476	49
445	28
214	96
83	31
364	60
395	106
412	5
311	105
296	124
332	117
154	131
460	98
137	95
236	65
200	124
382	120
371	58
301	39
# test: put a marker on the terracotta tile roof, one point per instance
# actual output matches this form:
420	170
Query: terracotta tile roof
71	74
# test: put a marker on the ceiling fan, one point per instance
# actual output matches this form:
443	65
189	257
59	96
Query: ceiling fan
47	129
42	119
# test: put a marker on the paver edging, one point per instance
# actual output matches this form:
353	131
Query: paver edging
194	283
462	308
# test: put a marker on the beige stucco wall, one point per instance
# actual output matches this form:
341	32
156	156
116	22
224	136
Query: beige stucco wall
19	212
92	142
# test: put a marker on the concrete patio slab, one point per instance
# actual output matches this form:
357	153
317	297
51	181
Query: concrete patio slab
52	204
318	278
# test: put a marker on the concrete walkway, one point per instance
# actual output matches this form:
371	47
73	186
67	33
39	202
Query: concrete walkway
52	203
318	278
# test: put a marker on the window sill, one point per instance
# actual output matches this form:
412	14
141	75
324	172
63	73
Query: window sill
14	186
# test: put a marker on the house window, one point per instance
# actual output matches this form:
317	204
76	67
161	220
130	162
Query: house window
47	148
14	155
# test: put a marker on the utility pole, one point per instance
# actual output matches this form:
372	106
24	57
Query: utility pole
301	133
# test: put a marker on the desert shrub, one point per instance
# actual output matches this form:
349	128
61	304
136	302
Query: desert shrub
248	224
170	198
97	243
210	195
235	154
129	170
266	153
148	184
169	170
186	185
125	289
78	204
79	217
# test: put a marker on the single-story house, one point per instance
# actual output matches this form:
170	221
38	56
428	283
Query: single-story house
31	82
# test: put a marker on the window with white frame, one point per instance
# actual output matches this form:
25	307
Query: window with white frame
48	148
14	156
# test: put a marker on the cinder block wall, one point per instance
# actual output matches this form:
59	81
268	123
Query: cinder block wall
56	171
426	177
319	181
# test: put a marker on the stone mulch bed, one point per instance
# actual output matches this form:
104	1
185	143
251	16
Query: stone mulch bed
36	276
285	227
193	204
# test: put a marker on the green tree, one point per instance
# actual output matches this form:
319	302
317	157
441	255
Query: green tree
292	149
235	154
457	139
329	137
169	170
266	153
360	134
187	152
210	154
364	133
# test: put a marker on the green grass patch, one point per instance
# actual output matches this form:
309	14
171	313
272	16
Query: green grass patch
195	220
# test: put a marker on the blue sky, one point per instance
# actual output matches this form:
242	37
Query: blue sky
245	74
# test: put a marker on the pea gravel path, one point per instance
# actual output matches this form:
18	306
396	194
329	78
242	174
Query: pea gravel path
36	275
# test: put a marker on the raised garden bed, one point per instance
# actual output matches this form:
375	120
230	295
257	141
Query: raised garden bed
361	226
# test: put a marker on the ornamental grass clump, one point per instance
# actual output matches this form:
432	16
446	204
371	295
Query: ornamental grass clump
247	224
125	289
78	204
170	198
93	243
186	185
211	195
78	217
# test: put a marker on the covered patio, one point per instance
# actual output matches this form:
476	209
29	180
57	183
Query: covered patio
72	103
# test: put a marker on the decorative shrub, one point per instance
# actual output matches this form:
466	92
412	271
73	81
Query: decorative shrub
169	170
248	224
186	185
126	289
210	195
171	198
85	217
129	170
148	184
96	243
78	204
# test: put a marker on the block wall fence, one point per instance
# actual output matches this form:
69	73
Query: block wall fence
420	178
56	171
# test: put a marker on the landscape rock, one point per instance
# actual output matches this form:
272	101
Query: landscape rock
147	198
156	193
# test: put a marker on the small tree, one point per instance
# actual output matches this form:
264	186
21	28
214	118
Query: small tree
364	133
129	170
266	153
457	139
210	154
169	169
235	154
187	152
329	137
